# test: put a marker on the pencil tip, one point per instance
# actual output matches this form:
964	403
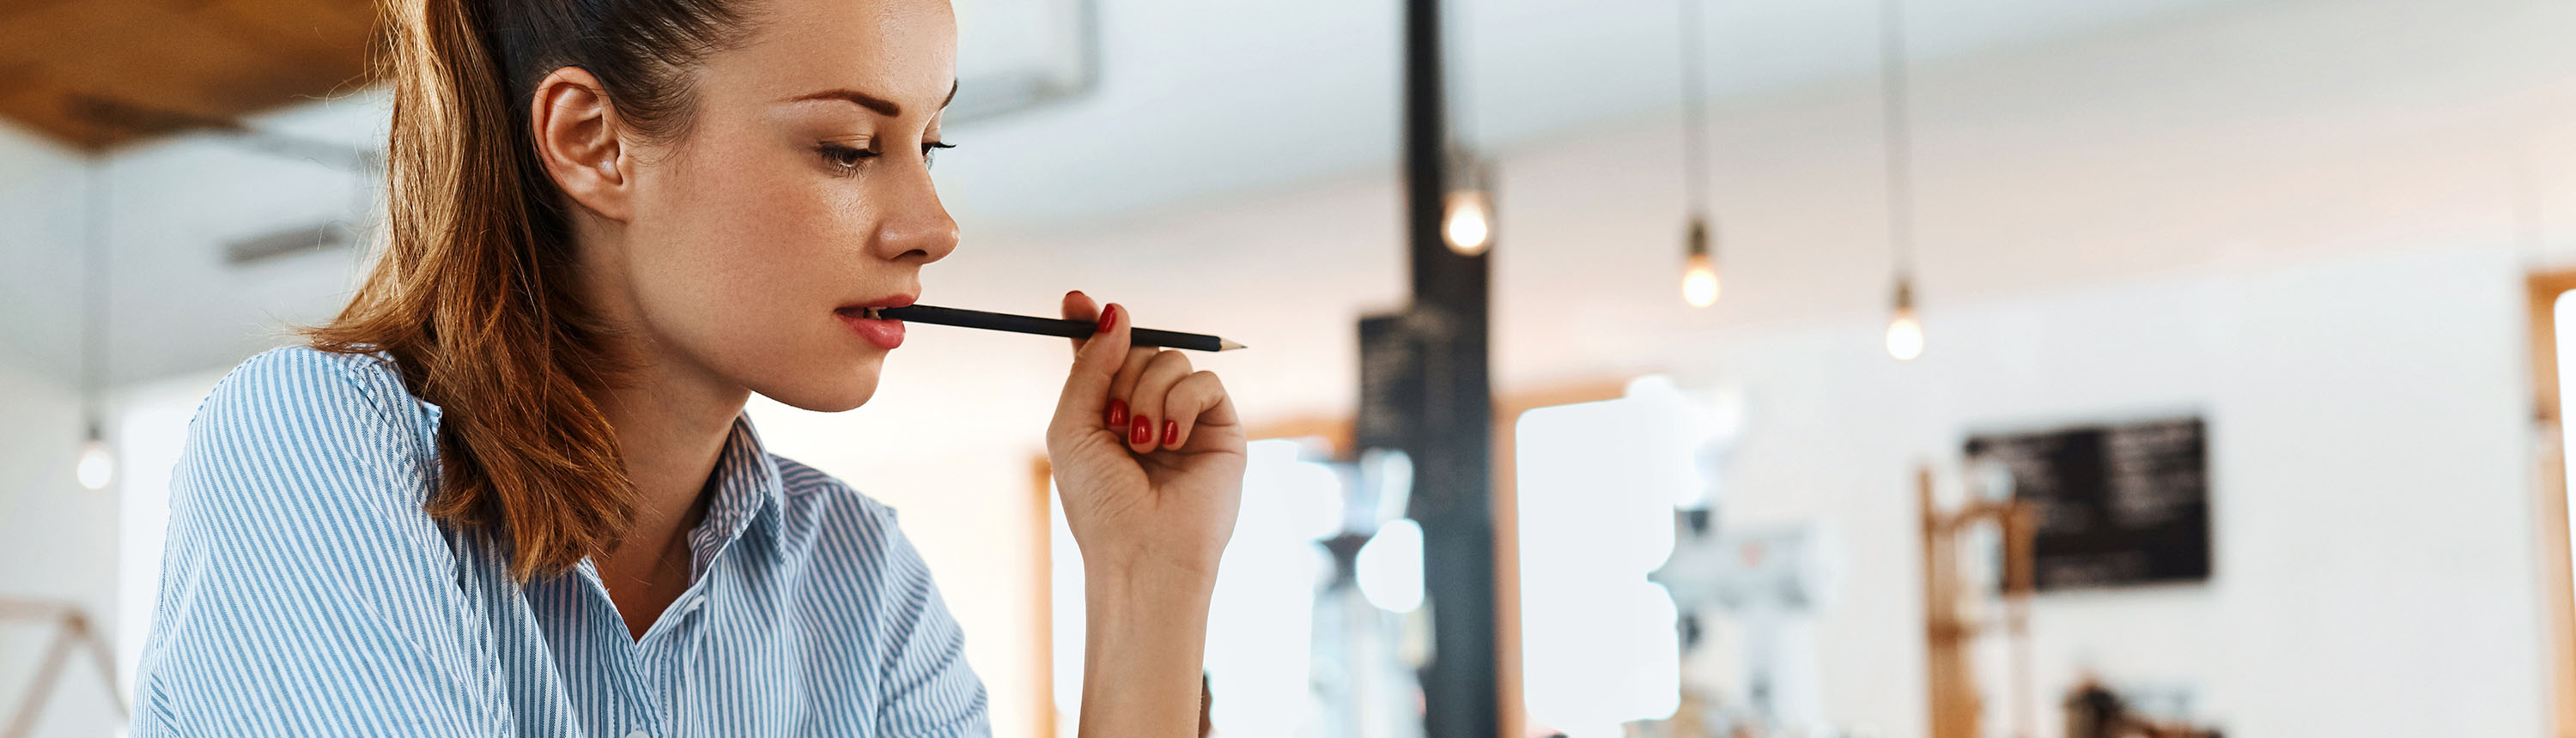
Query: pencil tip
1225	345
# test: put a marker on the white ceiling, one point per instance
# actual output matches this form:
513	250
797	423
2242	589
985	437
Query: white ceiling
1210	100
1201	101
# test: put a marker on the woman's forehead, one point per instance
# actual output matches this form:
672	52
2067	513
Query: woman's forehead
902	51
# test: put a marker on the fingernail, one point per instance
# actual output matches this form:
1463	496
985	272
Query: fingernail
1117	413
1171	432
1108	317
1142	432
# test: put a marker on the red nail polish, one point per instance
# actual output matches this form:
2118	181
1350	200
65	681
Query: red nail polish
1117	413
1108	317
1142	432
1171	432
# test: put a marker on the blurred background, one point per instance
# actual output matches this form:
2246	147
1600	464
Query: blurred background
1936	368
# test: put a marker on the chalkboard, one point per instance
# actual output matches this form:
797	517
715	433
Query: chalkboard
2117	504
1391	382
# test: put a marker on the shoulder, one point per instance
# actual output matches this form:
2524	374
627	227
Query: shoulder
299	413
309	370
837	514
846	537
302	383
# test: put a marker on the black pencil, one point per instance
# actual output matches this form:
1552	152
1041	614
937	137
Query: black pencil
1050	327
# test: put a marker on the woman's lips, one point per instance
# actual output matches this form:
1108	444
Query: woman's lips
885	333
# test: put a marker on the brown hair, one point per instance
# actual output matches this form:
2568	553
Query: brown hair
474	296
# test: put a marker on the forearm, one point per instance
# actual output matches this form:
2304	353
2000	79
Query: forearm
1141	656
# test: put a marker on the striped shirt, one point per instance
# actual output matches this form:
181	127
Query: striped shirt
304	592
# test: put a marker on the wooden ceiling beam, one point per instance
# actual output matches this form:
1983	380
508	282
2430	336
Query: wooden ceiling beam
219	59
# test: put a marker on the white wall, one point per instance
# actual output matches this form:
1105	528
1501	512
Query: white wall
2370	502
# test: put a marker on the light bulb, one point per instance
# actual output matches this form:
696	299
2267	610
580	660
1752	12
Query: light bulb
1468	225
1904	335
1699	281
1904	330
1699	270
97	467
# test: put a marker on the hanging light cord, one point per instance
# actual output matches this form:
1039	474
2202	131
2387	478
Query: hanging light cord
1900	154
94	297
1694	112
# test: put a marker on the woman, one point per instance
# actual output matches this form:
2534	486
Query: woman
510	490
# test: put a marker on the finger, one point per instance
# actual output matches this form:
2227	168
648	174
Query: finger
1122	388
1198	399
1078	306
1165	369
1086	385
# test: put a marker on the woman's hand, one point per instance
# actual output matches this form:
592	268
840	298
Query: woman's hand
1148	456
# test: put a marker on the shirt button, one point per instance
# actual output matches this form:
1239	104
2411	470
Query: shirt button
639	733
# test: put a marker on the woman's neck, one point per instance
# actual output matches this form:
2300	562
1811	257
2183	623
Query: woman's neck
671	425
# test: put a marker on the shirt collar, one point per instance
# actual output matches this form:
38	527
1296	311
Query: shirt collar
748	487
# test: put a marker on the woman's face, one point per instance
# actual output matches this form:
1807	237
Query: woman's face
799	197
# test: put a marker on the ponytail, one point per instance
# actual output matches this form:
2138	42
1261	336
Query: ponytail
474	295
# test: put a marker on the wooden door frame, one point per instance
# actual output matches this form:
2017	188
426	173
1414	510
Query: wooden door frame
2549	501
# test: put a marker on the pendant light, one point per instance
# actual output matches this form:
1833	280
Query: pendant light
96	468
1904	327
1467	216
1469	224
1904	330
1467	212
1699	269
1700	283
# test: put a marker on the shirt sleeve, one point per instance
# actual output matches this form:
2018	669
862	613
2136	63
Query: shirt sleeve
930	692
303	590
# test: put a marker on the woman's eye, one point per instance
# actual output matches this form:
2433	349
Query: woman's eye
844	159
930	148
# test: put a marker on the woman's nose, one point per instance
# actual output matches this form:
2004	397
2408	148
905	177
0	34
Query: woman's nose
917	228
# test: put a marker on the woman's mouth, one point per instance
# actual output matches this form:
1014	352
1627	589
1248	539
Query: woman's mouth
870	324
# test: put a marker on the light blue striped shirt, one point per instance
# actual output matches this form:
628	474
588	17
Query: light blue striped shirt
304	592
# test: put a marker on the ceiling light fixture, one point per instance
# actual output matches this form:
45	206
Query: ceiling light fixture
1700	282
1904	326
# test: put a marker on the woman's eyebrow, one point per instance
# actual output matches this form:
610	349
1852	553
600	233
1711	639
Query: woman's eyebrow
883	106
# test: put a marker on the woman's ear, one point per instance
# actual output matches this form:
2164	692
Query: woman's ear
576	132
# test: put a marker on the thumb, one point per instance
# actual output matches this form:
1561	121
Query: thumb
1095	365
1078	306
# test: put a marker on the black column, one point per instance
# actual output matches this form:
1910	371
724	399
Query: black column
1452	438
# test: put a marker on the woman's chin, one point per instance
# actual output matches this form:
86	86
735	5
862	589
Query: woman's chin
828	393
